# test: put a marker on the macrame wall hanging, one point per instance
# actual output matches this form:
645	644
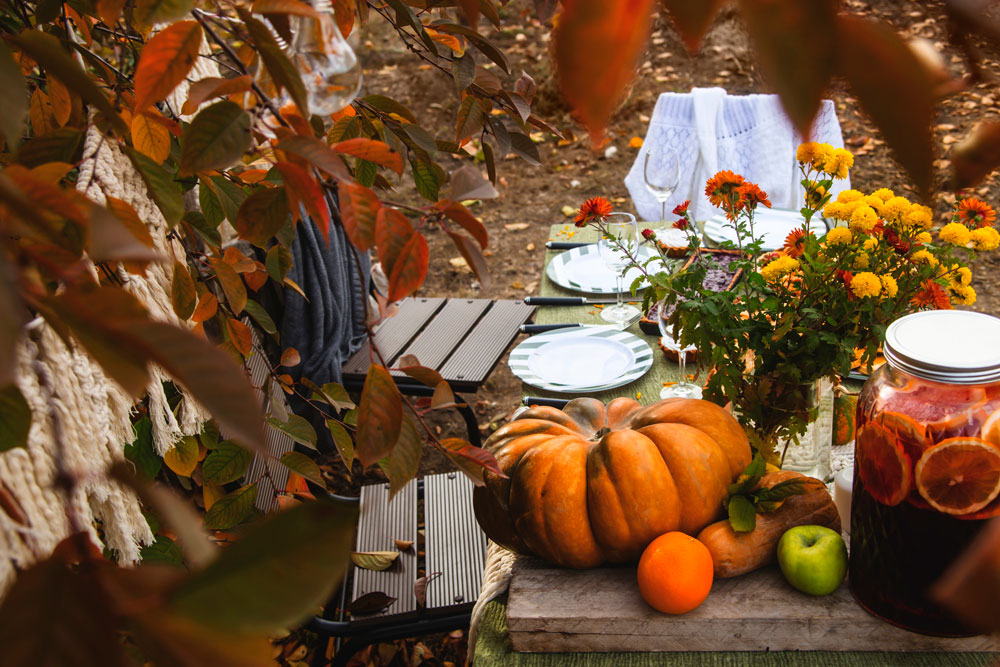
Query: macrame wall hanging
92	413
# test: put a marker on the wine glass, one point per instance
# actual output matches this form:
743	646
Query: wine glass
662	174
683	388
619	240
329	67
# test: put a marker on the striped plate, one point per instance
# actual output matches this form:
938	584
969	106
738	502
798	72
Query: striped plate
586	359
582	269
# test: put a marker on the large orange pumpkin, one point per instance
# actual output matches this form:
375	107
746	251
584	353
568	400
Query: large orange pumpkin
587	484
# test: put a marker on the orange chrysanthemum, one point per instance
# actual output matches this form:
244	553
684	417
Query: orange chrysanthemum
795	243
931	295
595	208
751	194
719	188
975	213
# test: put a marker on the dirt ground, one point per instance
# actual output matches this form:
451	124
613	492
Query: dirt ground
532	198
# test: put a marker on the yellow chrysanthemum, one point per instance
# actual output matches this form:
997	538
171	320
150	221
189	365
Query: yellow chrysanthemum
985	238
889	285
874	202
961	275
863	219
835	211
885	194
870	244
923	237
782	266
847	196
962	295
866	285
821	154
955	233
918	216
838	163
806	152
896	208
861	261
839	235
923	257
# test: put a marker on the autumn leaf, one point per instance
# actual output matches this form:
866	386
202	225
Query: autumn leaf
793	56
165	61
207	306
293	7
205	89
240	336
410	269
232	285
303	189
318	154
151	12
182	458
692	19
597	47
379	416
373	151
358	210
460	214
262	215
149	137
217	138
40	113
471	116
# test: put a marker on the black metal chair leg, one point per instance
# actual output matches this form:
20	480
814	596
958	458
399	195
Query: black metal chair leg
470	420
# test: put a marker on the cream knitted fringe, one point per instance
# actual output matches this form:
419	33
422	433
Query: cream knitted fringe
93	411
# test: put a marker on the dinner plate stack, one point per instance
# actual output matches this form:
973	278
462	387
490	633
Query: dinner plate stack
581	359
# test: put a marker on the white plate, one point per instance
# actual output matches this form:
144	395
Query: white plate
592	358
582	269
772	225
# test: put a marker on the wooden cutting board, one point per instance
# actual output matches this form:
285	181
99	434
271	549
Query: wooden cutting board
556	610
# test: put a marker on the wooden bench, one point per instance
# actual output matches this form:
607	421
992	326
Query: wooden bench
451	552
462	339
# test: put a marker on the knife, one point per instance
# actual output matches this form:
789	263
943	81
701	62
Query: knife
568	301
542	328
538	400
567	245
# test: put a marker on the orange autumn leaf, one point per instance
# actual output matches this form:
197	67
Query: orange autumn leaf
165	61
374	151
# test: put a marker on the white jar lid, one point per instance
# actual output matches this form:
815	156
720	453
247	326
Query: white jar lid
950	346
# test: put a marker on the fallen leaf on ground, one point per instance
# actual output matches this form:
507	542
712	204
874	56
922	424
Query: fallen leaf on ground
516	226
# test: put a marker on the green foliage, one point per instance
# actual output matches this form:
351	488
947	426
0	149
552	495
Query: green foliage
15	418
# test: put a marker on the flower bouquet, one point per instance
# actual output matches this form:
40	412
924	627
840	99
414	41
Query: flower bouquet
800	313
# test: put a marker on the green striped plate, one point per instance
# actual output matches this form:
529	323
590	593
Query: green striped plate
583	270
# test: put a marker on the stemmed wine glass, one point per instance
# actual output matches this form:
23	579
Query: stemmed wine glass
683	388
620	233
662	173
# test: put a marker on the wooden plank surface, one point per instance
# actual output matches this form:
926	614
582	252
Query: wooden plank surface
443	334
455	545
555	610
473	360
393	335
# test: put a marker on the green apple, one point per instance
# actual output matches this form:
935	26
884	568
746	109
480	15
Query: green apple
813	559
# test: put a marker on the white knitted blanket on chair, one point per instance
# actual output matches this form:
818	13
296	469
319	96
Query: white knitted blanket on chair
712	131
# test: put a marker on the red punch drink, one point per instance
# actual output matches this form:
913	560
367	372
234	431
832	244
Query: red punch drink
927	463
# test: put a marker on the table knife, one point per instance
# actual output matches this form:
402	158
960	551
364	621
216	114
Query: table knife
539	400
567	245
542	328
568	301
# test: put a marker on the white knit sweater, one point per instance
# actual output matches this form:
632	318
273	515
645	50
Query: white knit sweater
746	134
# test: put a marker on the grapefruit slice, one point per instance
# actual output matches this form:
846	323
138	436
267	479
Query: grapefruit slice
959	475
883	466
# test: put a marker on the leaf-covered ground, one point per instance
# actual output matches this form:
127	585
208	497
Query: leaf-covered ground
532	198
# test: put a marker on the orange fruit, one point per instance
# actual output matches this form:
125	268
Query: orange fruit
991	429
675	573
845	408
909	433
959	475
882	464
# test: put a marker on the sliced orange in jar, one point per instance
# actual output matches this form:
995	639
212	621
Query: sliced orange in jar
959	475
991	429
910	433
883	466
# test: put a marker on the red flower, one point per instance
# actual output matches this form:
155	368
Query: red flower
931	295
681	224
752	195
879	229
847	277
795	243
648	234
682	209
975	213
595	208
898	244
